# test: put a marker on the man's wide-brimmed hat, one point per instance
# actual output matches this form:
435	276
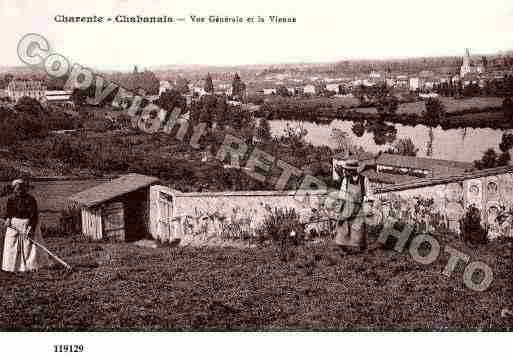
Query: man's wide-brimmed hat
351	165
18	181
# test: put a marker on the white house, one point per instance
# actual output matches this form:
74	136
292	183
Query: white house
428	95
61	98
234	103
390	82
270	91
429	85
163	86
332	87
309	89
414	83
375	75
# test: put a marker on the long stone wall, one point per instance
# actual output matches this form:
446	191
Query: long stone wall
491	191
426	202
234	215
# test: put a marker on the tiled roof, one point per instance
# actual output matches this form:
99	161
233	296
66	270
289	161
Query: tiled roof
387	178
424	182
387	159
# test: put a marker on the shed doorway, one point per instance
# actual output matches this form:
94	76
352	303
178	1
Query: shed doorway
135	206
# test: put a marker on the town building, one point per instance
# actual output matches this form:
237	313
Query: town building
401	81
470	66
390	82
60	98
164	86
309	89
392	169
333	87
375	75
35	89
414	83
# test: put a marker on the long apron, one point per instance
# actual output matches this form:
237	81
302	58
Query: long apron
351	225
20	254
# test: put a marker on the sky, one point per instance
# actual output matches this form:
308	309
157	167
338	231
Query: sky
324	31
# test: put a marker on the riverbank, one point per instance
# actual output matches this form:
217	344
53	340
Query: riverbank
480	112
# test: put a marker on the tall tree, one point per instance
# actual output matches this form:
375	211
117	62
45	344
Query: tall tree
435	111
507	107
182	85
491	159
387	105
342	141
238	87
209	85
264	130
358	129
171	99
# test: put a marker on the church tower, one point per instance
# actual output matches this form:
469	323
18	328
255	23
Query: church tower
466	66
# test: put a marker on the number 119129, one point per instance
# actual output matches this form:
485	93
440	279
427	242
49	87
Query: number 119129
68	348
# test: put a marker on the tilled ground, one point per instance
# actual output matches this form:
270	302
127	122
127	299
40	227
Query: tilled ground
124	287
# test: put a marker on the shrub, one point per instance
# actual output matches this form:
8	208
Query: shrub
472	230
282	227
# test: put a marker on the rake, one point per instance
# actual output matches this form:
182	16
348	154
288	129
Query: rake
46	250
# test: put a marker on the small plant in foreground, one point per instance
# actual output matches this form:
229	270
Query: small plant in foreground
282	227
472	231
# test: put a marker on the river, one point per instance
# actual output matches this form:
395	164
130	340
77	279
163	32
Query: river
463	144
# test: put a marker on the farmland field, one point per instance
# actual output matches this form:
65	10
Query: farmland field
334	102
124	287
451	105
454	105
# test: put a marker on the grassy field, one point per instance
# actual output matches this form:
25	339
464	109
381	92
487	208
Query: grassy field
492	116
334	102
451	105
124	287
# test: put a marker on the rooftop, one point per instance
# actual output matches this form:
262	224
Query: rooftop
425	182
387	159
58	97
387	178
115	188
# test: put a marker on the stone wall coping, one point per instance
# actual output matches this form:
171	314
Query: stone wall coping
251	193
426	182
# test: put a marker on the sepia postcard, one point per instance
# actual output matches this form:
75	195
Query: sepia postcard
270	166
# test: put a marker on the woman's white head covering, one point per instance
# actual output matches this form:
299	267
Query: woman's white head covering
17	182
